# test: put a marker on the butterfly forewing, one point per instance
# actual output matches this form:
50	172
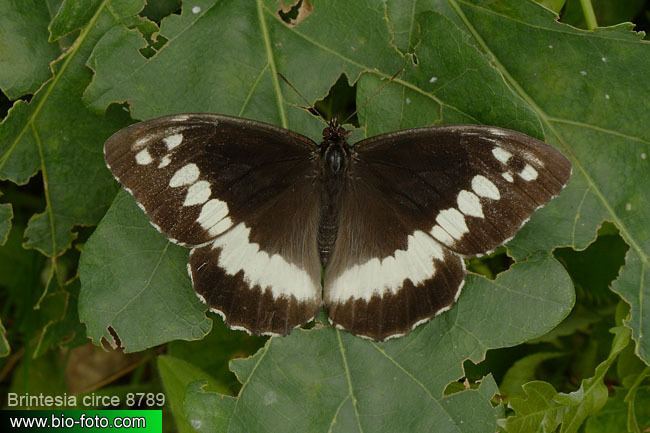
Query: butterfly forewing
235	189
414	202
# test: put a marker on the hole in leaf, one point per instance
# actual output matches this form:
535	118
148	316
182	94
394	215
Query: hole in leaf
159	9
6	103
116	344
594	269
492	264
608	13
295	13
340	102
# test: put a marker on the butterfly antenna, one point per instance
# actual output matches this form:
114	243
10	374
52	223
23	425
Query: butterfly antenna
309	107
369	98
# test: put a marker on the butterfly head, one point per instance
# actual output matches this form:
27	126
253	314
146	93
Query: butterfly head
335	132
335	148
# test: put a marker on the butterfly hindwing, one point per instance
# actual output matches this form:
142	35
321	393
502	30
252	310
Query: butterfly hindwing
235	190
417	201
470	187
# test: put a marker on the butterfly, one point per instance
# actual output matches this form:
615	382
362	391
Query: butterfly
376	231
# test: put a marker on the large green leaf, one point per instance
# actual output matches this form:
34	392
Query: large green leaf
141	290
57	135
325	377
577	84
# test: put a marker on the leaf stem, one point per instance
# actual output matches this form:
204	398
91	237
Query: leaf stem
590	15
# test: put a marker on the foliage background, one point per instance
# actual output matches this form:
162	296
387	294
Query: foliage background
551	332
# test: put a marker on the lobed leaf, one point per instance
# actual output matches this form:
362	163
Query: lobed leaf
57	135
135	282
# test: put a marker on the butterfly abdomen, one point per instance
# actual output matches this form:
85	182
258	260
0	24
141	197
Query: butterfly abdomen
334	161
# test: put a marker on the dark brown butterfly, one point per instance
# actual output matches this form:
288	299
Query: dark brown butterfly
389	218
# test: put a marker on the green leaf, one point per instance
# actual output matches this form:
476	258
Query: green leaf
135	282
631	399
72	15
523	371
208	412
574	83
547	408
21	285
57	135
592	394
176	375
6	215
614	416
24	49
64	328
537	412
4	343
554	5
322	376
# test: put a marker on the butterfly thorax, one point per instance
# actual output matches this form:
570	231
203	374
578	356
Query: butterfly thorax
334	156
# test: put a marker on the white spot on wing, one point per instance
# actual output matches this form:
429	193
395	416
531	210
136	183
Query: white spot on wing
416	263
469	204
501	155
186	175
283	278
198	193
483	187
212	217
143	157
507	176
442	236
528	173
453	222
196	10
164	162
173	141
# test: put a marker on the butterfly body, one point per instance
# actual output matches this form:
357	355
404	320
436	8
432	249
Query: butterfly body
389	218
335	154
